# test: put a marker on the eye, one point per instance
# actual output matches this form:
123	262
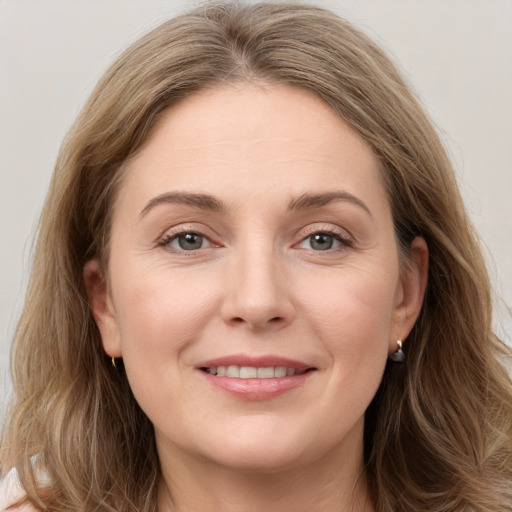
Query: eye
324	241
186	241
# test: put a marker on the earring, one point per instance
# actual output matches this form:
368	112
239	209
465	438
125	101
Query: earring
398	356
114	363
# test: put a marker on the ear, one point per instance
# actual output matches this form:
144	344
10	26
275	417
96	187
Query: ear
101	307
411	291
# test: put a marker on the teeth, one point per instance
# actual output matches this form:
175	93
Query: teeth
250	372
233	371
266	373
282	372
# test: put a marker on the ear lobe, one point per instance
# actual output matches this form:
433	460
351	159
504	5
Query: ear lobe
101	307
412	290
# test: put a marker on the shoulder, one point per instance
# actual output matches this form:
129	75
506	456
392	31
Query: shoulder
11	492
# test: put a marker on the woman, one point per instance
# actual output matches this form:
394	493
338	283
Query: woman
251	225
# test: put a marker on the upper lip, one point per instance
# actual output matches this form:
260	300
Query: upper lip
265	361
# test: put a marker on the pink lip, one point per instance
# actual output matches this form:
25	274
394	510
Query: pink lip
256	389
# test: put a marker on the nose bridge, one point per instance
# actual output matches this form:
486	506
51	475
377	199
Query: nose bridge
256	291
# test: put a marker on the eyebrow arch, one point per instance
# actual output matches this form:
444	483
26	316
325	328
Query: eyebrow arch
202	201
207	202
308	201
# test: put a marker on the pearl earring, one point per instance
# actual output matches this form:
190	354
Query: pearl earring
398	356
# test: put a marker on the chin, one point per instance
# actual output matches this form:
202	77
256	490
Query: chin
253	458
267	448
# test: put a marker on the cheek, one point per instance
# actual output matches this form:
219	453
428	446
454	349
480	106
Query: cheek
353	307
352	313
159	314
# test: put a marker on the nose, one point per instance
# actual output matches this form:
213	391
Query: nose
257	294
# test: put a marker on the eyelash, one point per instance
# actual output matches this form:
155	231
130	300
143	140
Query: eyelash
176	233
338	236
173	235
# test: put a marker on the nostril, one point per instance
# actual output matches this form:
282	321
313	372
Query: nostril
258	320
240	320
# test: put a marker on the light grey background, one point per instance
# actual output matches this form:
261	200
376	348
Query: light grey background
456	53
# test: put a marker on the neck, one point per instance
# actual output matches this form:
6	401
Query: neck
330	484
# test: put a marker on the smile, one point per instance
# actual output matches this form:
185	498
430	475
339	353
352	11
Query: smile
255	378
251	372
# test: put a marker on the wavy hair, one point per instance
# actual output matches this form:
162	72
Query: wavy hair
438	434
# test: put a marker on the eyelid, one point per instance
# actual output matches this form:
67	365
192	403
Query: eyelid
182	229
340	234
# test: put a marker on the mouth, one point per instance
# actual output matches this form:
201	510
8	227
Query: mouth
254	372
255	378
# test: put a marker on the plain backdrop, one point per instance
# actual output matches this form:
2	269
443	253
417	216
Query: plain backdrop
457	54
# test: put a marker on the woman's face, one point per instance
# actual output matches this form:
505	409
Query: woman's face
252	236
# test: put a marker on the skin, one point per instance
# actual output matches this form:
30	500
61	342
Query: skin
257	286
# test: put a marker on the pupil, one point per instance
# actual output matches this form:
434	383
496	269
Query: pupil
321	242
190	241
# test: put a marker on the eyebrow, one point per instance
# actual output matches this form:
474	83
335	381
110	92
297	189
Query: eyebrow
207	202
310	201
202	201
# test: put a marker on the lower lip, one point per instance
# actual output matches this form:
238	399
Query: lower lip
257	389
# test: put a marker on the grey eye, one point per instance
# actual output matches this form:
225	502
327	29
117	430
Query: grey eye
321	241
190	241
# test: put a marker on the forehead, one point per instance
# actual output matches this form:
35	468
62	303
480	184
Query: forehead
248	138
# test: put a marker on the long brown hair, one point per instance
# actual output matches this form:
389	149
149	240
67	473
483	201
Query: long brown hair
438	434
